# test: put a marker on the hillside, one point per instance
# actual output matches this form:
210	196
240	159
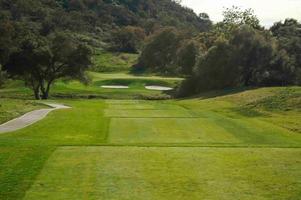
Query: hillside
94	21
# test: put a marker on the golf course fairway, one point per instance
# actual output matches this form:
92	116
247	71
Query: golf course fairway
201	148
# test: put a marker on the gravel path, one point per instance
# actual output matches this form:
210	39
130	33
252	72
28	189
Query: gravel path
29	118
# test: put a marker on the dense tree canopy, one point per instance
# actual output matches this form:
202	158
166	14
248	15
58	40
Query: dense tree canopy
40	61
238	52
160	52
288	34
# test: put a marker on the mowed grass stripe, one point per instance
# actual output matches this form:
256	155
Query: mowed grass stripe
19	167
169	173
167	130
205	131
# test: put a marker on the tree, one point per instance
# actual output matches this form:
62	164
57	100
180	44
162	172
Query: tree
235	17
187	56
249	58
159	54
260	58
288	34
42	60
216	69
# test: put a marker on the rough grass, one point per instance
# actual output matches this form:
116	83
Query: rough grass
12	108
169	173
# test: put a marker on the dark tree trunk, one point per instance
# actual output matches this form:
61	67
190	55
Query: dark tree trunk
45	95
45	91
37	93
36	89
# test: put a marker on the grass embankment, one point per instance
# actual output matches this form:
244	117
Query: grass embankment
175	149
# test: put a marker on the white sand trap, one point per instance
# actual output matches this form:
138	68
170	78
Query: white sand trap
156	87
29	118
115	87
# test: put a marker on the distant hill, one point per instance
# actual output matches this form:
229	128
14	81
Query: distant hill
143	13
98	18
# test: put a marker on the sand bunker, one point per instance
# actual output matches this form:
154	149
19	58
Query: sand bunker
156	87
115	87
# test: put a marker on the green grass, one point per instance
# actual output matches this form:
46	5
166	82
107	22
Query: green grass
241	145
113	62
169	173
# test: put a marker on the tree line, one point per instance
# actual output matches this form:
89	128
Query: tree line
237	52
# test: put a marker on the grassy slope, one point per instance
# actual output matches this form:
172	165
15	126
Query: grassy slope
241	119
113	62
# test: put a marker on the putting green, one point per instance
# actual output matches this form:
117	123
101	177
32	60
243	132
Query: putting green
169	173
